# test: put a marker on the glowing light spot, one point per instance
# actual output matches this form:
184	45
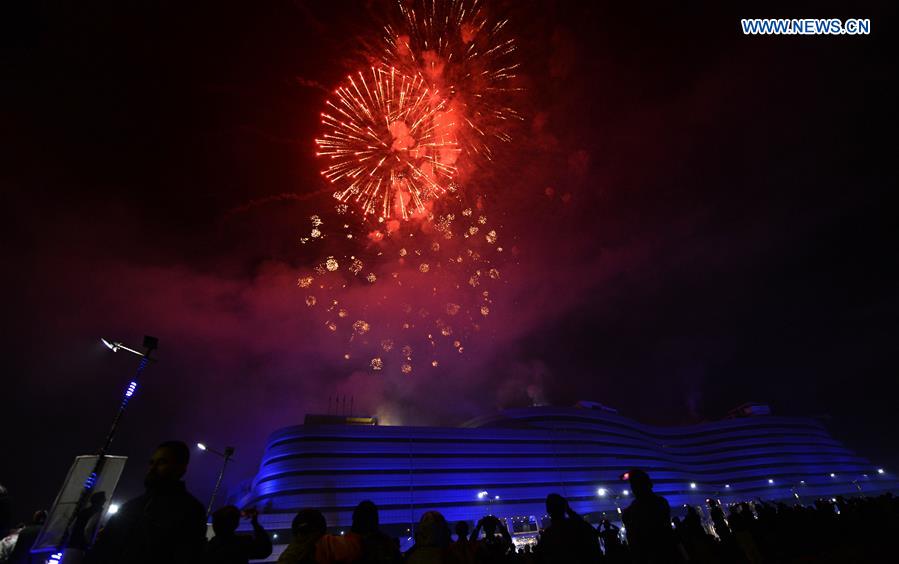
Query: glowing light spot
494	273
304	281
482	220
310	301
371	278
356	266
331	326
434	363
403	252
377	363
361	327
472	230
407	352
424	267
491	237
387	345
406	368
331	264
485	311
446	331
452	309
342	313
466	212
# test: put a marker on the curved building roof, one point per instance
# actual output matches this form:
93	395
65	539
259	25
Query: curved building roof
519	456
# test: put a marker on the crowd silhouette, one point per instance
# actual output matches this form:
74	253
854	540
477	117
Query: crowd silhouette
168	525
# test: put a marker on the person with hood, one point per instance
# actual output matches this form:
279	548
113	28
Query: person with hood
312	545
432	541
308	527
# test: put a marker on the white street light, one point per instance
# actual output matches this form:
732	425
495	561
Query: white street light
227	456
692	485
770	480
113	509
601	492
880	470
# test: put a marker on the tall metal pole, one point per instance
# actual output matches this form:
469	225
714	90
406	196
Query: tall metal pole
226	456
150	344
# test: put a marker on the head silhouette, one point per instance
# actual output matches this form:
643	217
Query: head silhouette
226	520
556	506
462	529
39	517
365	518
490	525
309	521
640	483
168	463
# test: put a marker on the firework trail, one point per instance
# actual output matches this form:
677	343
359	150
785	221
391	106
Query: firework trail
390	140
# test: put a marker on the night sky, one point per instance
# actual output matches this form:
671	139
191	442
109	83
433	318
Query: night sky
699	219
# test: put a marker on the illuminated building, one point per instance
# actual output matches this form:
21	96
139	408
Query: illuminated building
506	464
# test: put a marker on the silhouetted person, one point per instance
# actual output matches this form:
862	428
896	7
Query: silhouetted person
463	549
718	520
21	554
569	539
493	548
432	541
5	510
85	525
611	540
696	541
648	523
227	547
165	524
308	527
377	547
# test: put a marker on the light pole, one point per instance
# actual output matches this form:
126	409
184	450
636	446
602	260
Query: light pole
485	495
150	344
615	495
227	456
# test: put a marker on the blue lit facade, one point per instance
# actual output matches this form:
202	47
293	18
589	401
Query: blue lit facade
507	463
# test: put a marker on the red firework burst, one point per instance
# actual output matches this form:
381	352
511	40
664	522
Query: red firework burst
391	142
